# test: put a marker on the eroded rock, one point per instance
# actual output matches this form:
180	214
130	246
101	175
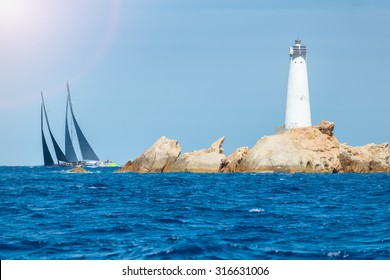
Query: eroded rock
206	160
231	163
78	170
363	159
309	149
156	158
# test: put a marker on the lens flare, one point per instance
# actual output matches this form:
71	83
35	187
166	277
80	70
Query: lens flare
45	42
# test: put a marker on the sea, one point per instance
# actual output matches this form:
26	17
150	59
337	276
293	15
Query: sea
49	213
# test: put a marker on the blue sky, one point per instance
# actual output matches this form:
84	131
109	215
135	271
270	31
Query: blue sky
190	70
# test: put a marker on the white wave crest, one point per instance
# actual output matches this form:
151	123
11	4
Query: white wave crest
256	210
333	254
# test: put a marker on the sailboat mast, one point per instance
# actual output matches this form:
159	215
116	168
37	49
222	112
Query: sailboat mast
69	149
67	88
44	110
86	150
69	98
47	158
59	154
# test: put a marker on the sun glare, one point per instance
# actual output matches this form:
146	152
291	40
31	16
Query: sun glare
63	39
11	11
17	17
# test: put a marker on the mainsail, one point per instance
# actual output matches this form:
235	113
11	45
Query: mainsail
59	154
69	149
47	158
85	148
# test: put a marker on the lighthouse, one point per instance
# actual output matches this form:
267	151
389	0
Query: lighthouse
298	102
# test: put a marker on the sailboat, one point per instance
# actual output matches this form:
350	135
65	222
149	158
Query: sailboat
47	157
69	158
88	155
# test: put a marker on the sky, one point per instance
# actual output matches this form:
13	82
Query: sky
191	70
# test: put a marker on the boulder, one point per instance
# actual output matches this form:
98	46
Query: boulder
309	149
363	159
156	158
231	163
206	160
326	127
78	170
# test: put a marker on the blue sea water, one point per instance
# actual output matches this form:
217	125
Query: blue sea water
48	213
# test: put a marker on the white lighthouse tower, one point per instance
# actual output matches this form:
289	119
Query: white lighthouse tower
298	102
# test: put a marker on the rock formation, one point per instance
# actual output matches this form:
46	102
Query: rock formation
206	160
155	159
78	170
231	163
326	127
309	149
368	158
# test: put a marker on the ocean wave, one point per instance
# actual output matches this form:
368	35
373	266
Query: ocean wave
256	210
192	216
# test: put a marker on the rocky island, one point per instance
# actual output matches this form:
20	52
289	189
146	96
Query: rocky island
309	149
